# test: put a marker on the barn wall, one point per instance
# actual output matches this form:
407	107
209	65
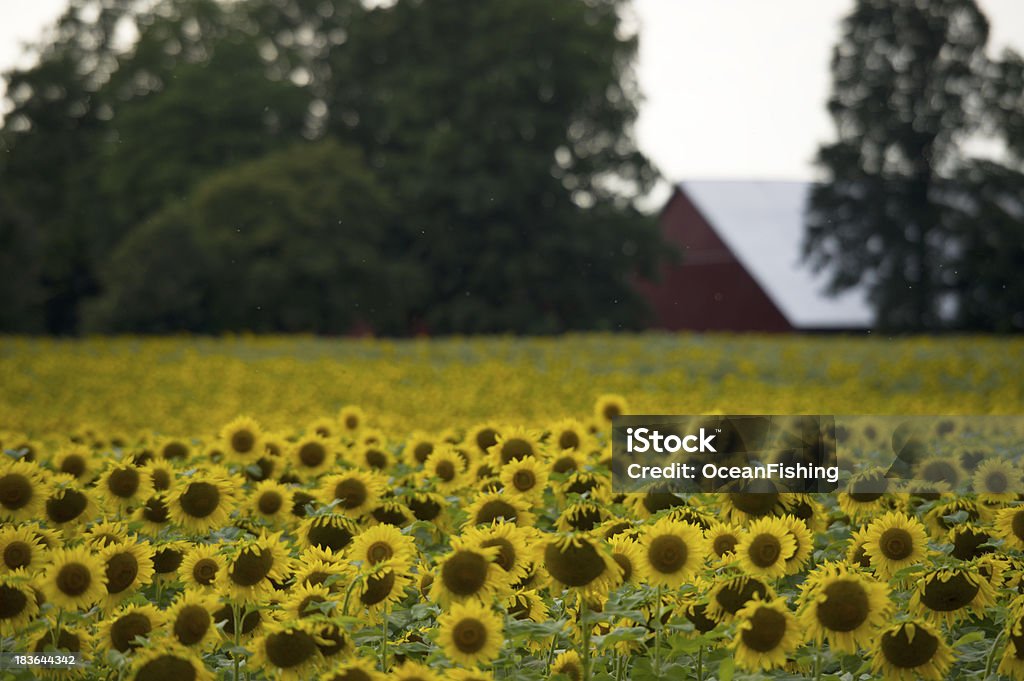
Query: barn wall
710	290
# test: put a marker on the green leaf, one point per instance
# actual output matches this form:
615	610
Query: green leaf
726	669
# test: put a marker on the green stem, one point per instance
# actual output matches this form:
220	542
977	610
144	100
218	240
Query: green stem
586	638
700	663
992	655
657	631
237	621
57	629
348	594
384	641
817	665
620	667
554	644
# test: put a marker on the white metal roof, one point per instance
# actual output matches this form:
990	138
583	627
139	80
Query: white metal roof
762	223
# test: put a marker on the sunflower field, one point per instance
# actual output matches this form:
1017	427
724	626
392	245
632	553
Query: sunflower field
184	509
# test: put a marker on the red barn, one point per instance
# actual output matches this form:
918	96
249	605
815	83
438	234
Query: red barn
740	244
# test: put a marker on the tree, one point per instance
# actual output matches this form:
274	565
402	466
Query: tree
907	84
299	240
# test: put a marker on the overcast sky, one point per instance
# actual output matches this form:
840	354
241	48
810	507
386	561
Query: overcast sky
733	88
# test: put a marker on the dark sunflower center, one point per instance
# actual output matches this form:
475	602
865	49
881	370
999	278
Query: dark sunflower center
723	544
126	628
767	629
860	557
846	606
754	503
568	440
270	503
155	511
486	438
352	493
424	508
506	558
574	565
200	499
610	411
735	594
15	491
175	450
623	562
122	569
698	616
941	471
765	550
74	579
469	635
866	491
65	641
289	649
73	464
390	515
996	483
67	507
896	543
564	465
12	602
17	554
351	422
123	482
667	554
252	566
329	536
161	480
906	653
524	480
243	441
376	459
205	571
956	593
312	454
516	448
495	509
166	561
445	470
167	668
464	573
422	451
585	519
337	641
192	624
659	501
379	551
967	544
378	587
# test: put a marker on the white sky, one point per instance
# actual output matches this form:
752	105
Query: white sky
733	88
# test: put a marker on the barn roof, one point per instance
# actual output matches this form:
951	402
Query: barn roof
762	223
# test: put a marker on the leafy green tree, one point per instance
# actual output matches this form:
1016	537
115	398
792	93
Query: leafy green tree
908	80
299	240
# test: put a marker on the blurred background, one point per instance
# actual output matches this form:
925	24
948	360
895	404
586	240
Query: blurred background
436	167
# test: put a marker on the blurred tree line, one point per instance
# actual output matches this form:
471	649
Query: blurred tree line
935	233
325	166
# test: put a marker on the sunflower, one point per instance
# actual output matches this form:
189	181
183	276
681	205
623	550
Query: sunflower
76	461
1012	663
446	470
527	605
74	579
391	512
468	572
949	595
567	462
242	440
324	427
483	436
203	501
759	499
470	634
804	541
174	449
808	509
18	604
247	574
271	501
373	457
72	638
354	669
161	475
766	634
384	543
311	455
68	505
200	566
721	540
588	484
169	662
997	479
353	492
895	541
842	606
568	664
582	516
766	547
412	671
856	555
906	651
943	516
123	485
167	558
609	406
382	586
488	507
670	552
106	532
418	448
351	419
329	531
866	493
525	477
514	443
729	593
154	515
190	620
23	490
251	622
1009	526
628	555
511	541
307	600
332	640
20	549
119	630
128	566
568	435
579	562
